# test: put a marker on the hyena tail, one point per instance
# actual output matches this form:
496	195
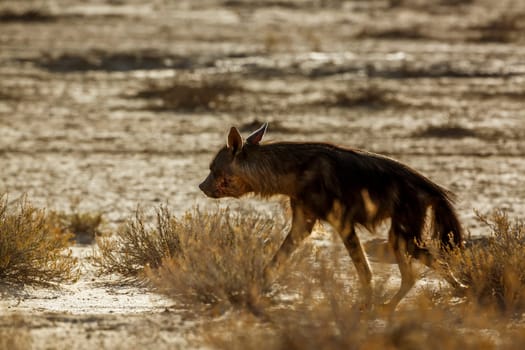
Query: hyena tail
446	225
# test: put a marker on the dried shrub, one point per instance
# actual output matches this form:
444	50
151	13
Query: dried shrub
84	226
456	2
426	4
220	259
494	268
407	69
136	245
316	309
504	27
28	15
422	327
33	248
327	315
367	96
189	95
410	32
446	131
111	61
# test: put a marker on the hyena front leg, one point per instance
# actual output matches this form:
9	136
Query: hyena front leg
399	246
357	254
302	224
346	229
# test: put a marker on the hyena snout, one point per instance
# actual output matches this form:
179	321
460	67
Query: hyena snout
208	187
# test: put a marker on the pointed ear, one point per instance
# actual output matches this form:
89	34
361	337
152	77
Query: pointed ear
256	136
234	140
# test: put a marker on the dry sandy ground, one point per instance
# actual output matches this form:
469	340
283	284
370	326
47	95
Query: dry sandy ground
94	108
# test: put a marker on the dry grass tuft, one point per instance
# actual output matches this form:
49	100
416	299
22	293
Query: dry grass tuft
326	315
110	60
319	311
33	248
220	259
410	32
137	245
370	96
426	4
494	269
446	131
29	15
504	27
216	260
200	259
456	2
190	95
84	226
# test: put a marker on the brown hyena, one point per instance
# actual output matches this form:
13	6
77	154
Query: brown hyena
344	187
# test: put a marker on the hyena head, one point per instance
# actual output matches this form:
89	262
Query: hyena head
226	178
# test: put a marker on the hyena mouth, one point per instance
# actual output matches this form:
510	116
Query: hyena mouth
207	191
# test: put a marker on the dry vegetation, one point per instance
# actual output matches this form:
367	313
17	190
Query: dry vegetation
101	60
503	27
215	260
325	316
33	247
136	245
493	267
492	23
448	130
370	96
84	226
236	248
410	32
190	95
25	15
202	259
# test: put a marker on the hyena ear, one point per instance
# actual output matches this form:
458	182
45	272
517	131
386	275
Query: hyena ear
234	140
256	136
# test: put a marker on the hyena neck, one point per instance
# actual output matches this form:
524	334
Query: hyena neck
271	169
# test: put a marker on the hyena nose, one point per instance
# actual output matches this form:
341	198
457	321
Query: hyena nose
205	189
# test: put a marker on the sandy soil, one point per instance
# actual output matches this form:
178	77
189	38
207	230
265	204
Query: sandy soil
83	117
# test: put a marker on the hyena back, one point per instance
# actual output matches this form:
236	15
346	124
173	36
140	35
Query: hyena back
344	187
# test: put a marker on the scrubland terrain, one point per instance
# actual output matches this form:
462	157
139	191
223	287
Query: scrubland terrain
109	106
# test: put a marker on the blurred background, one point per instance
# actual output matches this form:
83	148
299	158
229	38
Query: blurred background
118	103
